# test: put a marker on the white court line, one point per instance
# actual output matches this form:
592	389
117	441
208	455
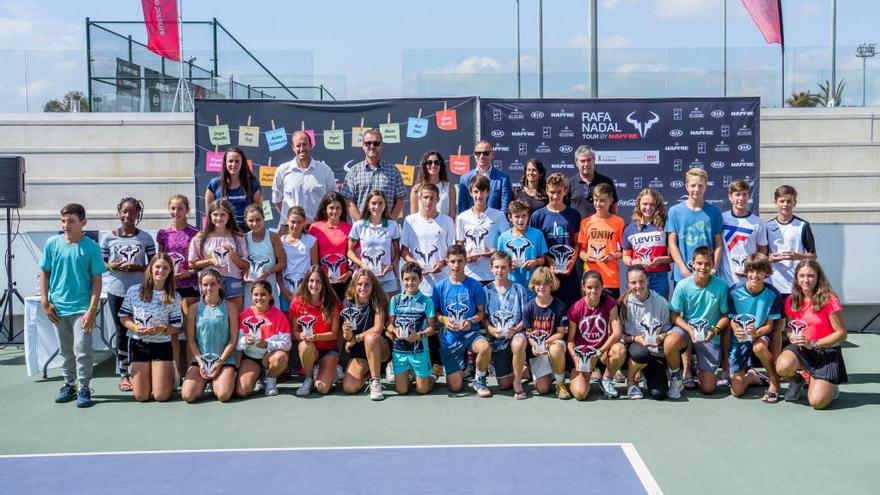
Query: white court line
641	469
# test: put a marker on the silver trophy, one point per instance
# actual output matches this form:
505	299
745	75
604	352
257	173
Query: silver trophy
292	281
457	311
373	258
699	325
306	323
650	330
644	253
518	247
209	362
333	263
540	337
584	353
254	325
502	320
221	256
597	250
562	255
406	325
797	328
424	254
351	314
744	320
258	262
739	263
477	237
142	319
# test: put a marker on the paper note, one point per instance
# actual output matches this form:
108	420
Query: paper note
277	139
334	139
267	209
416	127
248	136
407	172
459	164
214	162
267	175
357	136
390	132
447	120
311	133
219	135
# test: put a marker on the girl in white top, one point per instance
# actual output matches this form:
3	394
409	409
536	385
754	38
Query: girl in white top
374	242
432	170
301	252
264	251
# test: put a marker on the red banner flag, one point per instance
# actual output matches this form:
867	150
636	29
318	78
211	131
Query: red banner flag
767	15
160	17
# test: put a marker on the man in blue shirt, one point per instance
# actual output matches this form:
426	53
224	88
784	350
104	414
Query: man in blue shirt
500	190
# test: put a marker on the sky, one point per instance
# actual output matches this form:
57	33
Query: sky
456	47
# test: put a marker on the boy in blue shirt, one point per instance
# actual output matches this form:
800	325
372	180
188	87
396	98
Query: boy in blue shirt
691	224
504	313
699	310
754	308
525	245
459	302
70	288
412	312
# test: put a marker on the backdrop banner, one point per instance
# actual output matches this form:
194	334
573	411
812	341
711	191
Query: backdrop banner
263	129
639	142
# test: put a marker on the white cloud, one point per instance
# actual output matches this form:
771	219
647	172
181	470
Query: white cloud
812	8
666	9
21	28
37	88
639	67
470	65
582	41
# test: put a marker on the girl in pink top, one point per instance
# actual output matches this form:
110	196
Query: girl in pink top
331	230
814	320
222	246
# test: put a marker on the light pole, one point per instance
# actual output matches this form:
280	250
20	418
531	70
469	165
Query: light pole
864	52
518	56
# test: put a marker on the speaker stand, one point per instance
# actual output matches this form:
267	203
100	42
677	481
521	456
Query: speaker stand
6	325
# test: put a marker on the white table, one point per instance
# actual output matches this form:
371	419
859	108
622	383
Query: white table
41	343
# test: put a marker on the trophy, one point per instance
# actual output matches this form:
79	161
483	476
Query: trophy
644	253
424	253
597	250
797	328
690	265
292	281
561	254
540	337
333	263
306	323
584	353
258	263
209	362
650	329
221	256
744	320
502	320
739	263
477	238
457	311
142	320
254	325
351	314
179	262
373	258
699	325
406	324
517	247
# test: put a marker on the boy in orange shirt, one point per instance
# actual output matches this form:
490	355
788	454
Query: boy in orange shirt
600	240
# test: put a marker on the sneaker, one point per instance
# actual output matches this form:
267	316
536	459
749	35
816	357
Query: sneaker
675	387
490	371
306	388
481	387
437	370
793	392
84	398
836	392
608	388
634	392
619	378
377	392
562	392
259	386
469	371
340	373
66	394
271	386
389	373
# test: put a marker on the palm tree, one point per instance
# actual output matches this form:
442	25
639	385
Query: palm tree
827	97
804	99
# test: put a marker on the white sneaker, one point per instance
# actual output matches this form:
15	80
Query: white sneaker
340	373
608	388
389	373
271	387
634	392
675	387
377	392
836	392
306	388
259	386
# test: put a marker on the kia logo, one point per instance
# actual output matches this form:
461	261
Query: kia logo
717	113
537	114
565	149
677	184
744	147
497	133
676	133
717	164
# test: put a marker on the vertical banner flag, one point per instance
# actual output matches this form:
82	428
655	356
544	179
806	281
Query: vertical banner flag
767	15
160	18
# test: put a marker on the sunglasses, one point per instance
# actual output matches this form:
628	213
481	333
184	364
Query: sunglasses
482	153
372	143
433	162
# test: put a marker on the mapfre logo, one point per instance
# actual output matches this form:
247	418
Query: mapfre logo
643	126
537	114
497	133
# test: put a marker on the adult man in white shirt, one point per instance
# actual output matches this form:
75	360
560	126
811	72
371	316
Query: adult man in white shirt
302	181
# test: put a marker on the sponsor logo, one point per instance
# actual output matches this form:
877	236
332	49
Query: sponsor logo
677	184
643	126
547	132
722	147
676	133
515	114
696	113
717	164
696	163
497	133
742	164
702	132
542	148
656	183
522	133
499	147
744	131
561	114
496	115
565	149
717	114
676	113
742	112
537	114
677	147
566	132
744	147
725	130
596	122
620	185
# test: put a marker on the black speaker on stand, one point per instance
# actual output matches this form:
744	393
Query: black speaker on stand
12	196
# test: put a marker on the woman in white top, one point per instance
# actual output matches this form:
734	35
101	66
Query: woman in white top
432	170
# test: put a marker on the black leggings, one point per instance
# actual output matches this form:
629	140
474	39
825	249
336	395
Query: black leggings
115	302
654	371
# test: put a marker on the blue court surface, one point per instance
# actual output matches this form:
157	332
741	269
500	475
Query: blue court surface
507	469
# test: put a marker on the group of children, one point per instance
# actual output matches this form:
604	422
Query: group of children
534	295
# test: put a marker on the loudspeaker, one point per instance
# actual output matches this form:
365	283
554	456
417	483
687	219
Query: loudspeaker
12	182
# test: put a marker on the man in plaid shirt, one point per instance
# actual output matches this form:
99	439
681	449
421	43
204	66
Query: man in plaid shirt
372	174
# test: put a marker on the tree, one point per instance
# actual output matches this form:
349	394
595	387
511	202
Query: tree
804	99
827	97
65	104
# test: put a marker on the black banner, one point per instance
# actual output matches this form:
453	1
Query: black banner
128	86
639	142
263	129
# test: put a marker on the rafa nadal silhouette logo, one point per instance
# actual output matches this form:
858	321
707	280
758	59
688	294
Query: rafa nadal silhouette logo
373	257
540	337
518	247
650	329
127	252
307	323
561	254
456	311
425	253
699	325
292	281
739	261
690	265
744	320
333	263
502	320
597	250
593	329
406	325
254	325
477	236
221	254
352	315
797	327
258	262
644	253
584	353
178	261
143	320
640	126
